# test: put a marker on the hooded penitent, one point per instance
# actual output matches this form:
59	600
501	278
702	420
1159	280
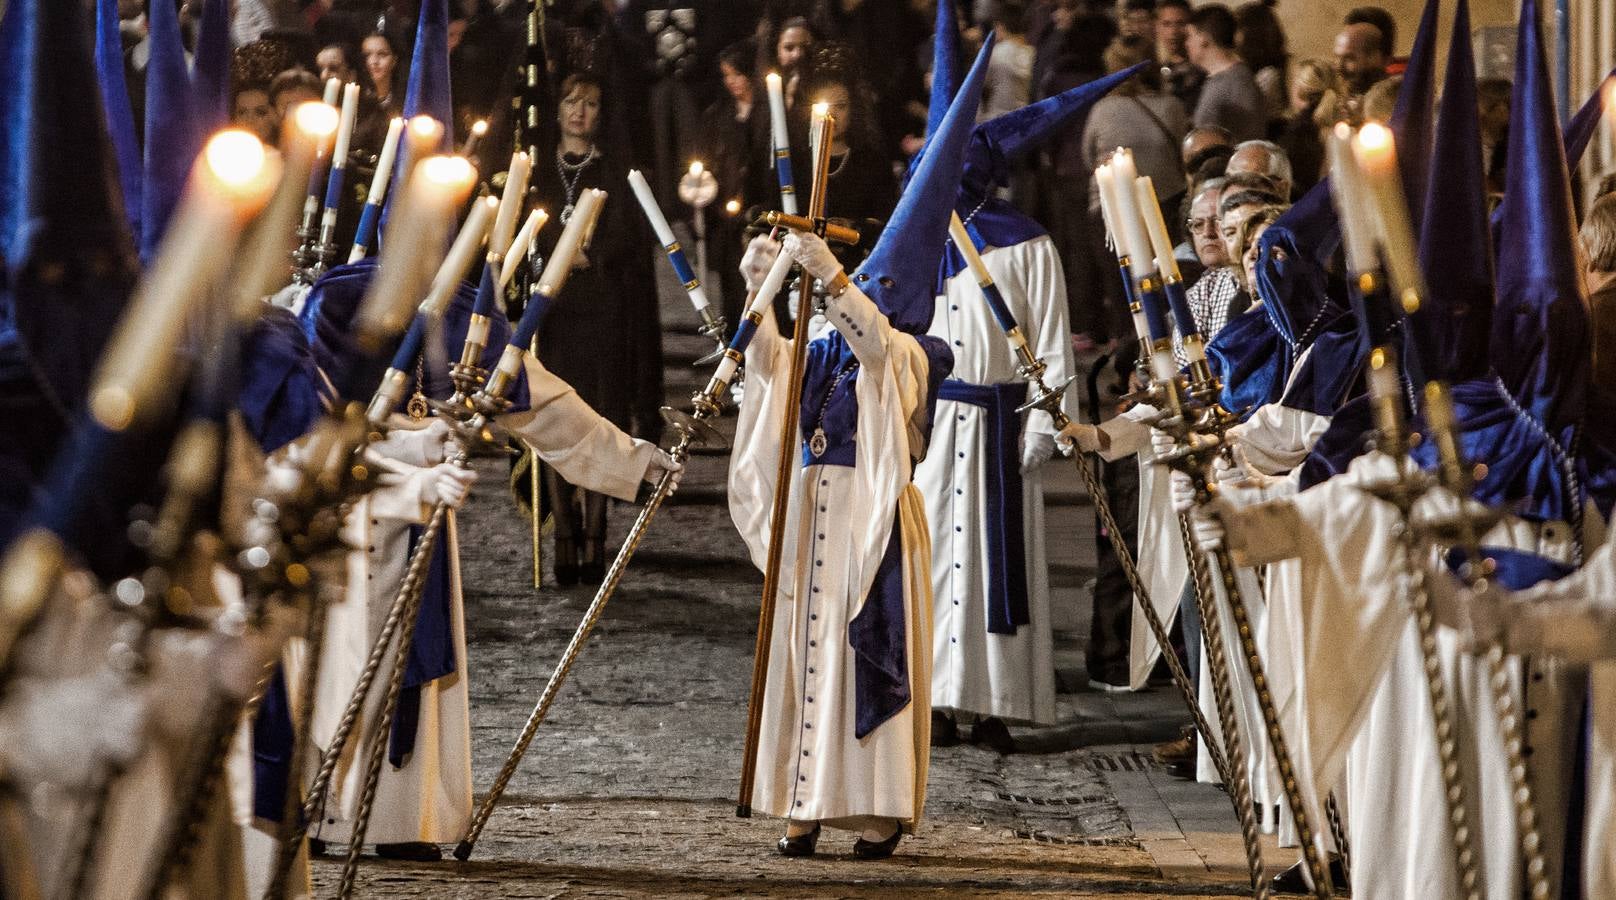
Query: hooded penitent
899	276
65	249
210	75
427	93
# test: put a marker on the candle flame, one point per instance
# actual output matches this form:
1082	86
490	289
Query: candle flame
696	168
772	78
821	109
733	207
315	118
1375	137
479	127
236	158
1343	131
425	126
448	170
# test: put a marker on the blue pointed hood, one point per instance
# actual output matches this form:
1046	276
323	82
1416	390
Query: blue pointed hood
1540	341
120	115
210	76
1451	328
1580	130
172	138
1001	140
1412	116
428	90
66	259
945	65
1294	284
900	274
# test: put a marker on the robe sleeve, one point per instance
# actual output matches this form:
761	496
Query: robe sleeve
1042	287
405	477
1276	438
1129	432
1573	618
878	345
585	448
756	455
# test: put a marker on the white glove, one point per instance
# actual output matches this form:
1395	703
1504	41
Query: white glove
436	436
1162	444
661	462
1036	449
1085	438
757	260
1207	527
1480	613
448	483
1182	491
813	254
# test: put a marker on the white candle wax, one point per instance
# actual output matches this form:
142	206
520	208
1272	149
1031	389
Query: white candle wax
1376	153
333	91
345	126
1156	227
510	204
578	225
777	110
1128	221
642	193
967	249
1105	184
384	163
461	254
434	189
518	252
766	292
1357	227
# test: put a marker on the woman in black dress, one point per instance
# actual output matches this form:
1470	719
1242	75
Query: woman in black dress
603	333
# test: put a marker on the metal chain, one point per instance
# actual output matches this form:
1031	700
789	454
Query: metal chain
1338	832
1218	664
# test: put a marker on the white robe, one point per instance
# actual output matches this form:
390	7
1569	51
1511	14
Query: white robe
1359	679
810	765
429	798
1011	676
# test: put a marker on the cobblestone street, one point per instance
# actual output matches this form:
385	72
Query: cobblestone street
629	787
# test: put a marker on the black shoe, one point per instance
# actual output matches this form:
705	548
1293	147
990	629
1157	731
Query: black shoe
591	573
1294	879
993	734
317	847
863	849
413	851
944	733
801	845
566	575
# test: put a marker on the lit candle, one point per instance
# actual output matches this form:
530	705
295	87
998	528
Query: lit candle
271	239
479	128
345	127
733	207
1105	178
510	205
536	220
1357	223
984	280
1126	209
817	114
696	168
433	189
781	142
1376	152
1105	184
230	182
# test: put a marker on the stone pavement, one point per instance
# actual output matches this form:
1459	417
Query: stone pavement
628	789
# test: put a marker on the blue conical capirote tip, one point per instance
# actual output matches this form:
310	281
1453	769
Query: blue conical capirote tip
901	272
1413	113
1003	139
428	90
172	137
1580	130
1539	343
210	75
945	65
120	114
1451	327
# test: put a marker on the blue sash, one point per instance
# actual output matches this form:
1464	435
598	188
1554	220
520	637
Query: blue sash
272	749
880	641
432	653
1007	547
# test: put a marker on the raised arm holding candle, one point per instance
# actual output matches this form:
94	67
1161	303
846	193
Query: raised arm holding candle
365	235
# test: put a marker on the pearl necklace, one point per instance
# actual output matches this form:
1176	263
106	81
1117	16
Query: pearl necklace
571	174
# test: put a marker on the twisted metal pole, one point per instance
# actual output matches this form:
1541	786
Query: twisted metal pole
377	752
664	488
1223	697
